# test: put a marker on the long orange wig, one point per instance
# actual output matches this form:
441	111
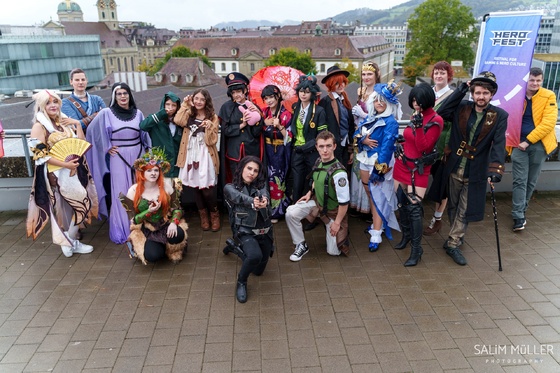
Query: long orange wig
163	196
335	80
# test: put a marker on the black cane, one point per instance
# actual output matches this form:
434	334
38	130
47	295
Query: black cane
495	211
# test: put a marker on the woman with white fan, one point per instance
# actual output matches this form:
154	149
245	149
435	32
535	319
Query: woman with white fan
63	189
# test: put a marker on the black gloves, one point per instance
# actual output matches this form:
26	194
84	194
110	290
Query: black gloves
494	177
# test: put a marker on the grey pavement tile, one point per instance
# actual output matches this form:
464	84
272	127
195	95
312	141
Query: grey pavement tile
365	313
69	366
19	354
54	342
43	362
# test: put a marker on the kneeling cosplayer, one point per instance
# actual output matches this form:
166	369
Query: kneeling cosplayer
247	198
157	227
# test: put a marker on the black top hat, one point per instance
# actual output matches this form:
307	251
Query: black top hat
333	70
486	77
236	78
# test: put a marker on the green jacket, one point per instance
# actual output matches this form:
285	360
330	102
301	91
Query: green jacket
157	126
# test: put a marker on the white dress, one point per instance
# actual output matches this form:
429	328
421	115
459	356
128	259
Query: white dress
199	169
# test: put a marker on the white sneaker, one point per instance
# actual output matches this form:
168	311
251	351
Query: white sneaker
67	250
300	251
82	248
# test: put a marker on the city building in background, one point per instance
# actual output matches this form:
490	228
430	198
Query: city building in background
29	62
248	54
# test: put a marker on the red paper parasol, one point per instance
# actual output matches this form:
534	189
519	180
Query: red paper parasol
284	77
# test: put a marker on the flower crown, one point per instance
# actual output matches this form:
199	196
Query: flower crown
153	157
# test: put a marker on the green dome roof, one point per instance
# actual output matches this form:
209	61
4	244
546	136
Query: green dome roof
69	6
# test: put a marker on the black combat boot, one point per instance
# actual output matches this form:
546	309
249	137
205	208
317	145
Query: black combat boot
241	292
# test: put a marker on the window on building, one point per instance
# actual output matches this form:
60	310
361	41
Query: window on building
234	67
203	51
126	64
173	77
322	67
234	51
337	52
252	66
63	79
102	14
213	66
188	78
272	51
132	63
223	66
9	68
119	64
308	50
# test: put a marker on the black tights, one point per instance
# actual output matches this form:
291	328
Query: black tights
257	251
204	198
154	251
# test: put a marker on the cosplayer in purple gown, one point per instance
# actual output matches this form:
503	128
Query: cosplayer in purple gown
117	142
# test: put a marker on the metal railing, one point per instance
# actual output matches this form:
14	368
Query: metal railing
24	133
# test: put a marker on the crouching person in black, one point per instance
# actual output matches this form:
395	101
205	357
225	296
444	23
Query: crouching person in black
247	198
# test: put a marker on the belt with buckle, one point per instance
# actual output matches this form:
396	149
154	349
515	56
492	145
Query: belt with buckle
260	231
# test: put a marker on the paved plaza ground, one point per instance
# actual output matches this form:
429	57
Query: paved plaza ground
104	312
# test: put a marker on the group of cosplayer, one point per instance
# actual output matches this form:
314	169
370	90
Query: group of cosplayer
140	171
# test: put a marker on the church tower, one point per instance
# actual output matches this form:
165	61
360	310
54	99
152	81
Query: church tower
69	11
107	12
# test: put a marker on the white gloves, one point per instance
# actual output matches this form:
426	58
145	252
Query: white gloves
358	111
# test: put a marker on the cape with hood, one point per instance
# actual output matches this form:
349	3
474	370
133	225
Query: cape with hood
158	127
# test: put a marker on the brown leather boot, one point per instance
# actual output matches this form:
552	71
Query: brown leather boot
433	227
204	222
215	220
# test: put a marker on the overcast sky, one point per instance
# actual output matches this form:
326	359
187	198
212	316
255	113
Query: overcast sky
176	14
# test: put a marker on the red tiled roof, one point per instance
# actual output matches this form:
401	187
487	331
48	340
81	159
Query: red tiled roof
322	47
108	38
181	67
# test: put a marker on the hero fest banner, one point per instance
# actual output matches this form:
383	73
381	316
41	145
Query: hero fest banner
505	47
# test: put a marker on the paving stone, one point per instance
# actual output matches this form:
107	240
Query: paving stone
365	313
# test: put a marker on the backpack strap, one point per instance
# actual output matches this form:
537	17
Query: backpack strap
78	106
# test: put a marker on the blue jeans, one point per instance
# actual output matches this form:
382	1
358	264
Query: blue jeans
526	168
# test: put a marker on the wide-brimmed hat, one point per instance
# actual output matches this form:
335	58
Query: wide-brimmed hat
486	77
389	91
333	70
236	78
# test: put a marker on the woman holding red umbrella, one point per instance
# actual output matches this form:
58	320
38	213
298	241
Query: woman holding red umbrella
277	148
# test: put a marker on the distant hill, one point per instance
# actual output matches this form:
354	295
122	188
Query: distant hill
397	15
252	24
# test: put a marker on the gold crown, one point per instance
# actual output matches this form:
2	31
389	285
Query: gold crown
394	88
368	66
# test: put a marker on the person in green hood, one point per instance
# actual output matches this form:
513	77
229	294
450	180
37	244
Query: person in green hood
164	132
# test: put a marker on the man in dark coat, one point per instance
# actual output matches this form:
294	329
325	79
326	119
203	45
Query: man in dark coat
241	122
307	121
475	155
338	111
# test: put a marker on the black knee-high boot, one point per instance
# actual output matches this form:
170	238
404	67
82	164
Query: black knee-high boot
404	221
416	213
